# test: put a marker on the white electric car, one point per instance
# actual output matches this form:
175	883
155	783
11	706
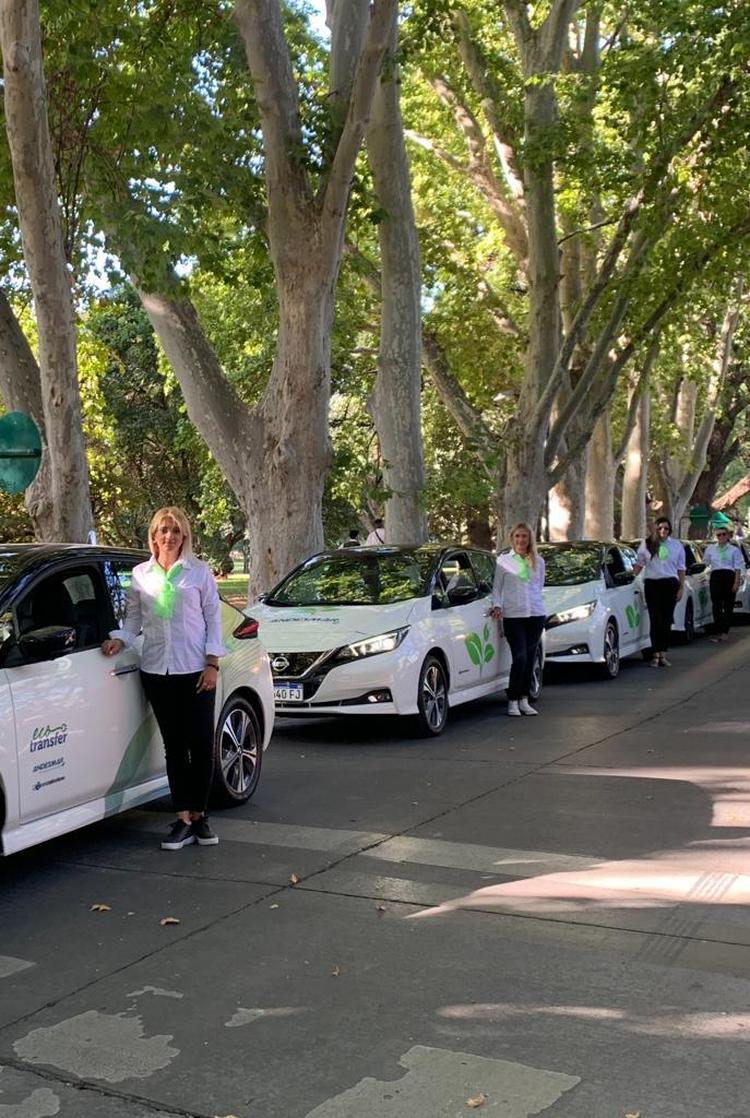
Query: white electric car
78	741
595	608
386	630
742	600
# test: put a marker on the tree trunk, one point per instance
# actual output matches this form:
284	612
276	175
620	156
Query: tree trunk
567	505
635	479
21	390
43	248
396	397
600	483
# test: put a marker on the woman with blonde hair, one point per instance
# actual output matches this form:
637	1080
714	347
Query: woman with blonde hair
518	603
174	600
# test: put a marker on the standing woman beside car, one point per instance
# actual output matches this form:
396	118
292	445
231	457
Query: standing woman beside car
173	598
517	601
662	560
726	564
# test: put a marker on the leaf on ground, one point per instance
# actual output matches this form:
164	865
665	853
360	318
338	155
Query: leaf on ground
336	971
635	1114
380	909
166	920
476	1101
293	879
273	906
100	908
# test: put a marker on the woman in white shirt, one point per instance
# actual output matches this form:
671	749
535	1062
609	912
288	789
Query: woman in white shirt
174	600
662	561
517	602
726	563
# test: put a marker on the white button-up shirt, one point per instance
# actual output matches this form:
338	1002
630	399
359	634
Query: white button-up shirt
731	560
180	644
654	567
515	596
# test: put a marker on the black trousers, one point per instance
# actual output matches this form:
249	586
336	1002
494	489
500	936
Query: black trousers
661	598
523	635
722	599
186	720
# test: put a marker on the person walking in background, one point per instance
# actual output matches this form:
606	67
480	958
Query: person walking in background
726	564
173	598
662	560
377	535
352	540
517	602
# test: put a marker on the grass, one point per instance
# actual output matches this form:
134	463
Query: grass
233	588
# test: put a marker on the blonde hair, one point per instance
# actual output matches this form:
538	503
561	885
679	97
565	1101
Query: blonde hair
522	526
178	517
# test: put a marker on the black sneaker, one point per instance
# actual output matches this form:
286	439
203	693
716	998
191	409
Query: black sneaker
203	833
180	834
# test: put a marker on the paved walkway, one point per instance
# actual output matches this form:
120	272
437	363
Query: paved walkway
538	916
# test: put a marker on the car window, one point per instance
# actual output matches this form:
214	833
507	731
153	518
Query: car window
689	556
350	579
117	576
484	567
571	564
629	557
456	572
613	564
70	598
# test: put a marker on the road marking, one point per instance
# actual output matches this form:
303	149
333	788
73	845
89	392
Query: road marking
324	839
157	991
42	1103
482	859
439	1082
95	1045
9	965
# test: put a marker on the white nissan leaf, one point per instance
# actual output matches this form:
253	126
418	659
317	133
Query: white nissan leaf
78	741
386	630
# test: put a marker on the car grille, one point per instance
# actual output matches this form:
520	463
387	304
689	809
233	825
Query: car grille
293	665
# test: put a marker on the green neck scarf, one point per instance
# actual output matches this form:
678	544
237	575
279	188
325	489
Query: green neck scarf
723	552
663	551
164	598
522	567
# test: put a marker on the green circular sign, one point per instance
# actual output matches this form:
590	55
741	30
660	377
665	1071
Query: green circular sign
20	451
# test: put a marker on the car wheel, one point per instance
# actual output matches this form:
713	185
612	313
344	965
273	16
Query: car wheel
432	697
689	633
238	753
610	669
537	674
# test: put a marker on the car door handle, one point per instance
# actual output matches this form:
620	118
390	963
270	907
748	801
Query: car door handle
125	670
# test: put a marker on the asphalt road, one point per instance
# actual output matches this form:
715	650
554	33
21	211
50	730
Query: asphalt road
524	916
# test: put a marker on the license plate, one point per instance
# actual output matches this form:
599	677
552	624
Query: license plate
288	693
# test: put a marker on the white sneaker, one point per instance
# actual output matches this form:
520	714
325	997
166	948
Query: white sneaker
525	707
513	710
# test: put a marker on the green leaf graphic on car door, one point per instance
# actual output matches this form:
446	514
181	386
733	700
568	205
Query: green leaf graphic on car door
633	616
480	649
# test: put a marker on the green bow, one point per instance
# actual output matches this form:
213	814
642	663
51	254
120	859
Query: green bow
663	551
164	598
522	568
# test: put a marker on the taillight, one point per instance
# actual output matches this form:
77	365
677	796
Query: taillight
245	629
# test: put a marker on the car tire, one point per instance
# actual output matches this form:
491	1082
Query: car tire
238	753
610	669
537	674
688	634
432	698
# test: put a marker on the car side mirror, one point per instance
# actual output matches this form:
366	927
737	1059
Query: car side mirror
623	578
696	568
462	595
47	643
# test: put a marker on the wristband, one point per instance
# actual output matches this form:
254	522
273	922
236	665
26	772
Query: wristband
214	666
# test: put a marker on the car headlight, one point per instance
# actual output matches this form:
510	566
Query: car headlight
372	646
577	613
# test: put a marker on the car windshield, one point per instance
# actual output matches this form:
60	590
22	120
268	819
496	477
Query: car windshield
355	579
571	564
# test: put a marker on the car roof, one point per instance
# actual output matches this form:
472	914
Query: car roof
398	549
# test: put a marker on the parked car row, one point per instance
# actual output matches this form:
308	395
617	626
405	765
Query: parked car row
370	630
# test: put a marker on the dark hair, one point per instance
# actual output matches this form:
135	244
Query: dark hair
354	533
652	541
377	522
